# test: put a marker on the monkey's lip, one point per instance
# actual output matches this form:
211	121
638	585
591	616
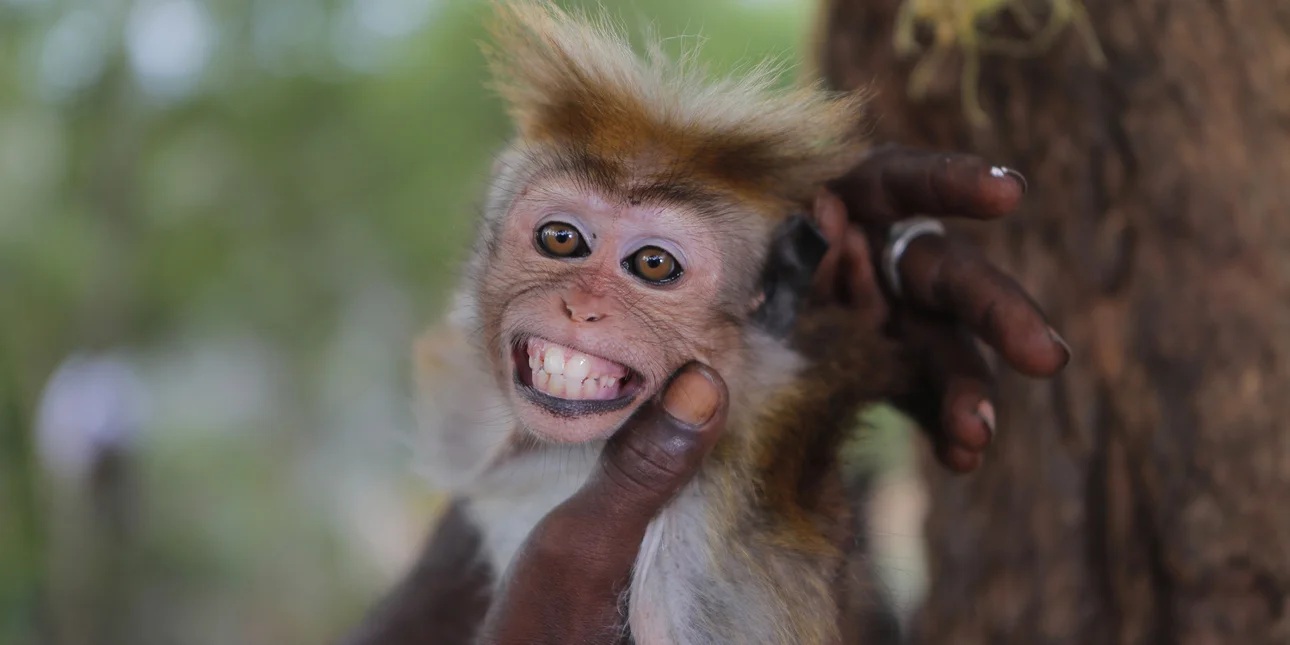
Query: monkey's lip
568	382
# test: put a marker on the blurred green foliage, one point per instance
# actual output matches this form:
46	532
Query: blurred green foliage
254	205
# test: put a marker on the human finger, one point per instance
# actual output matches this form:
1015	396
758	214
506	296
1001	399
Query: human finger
830	217
955	401
896	182
953	279
661	449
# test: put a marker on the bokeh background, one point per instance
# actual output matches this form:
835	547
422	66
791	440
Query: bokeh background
222	223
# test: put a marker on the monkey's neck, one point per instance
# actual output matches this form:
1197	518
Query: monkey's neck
795	402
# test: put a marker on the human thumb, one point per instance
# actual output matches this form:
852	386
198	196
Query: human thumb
661	448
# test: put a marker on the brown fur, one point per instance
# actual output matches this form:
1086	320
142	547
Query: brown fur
782	480
578	85
757	549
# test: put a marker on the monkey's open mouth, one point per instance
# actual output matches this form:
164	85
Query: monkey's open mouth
569	382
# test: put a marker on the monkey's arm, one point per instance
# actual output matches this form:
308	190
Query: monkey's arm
445	596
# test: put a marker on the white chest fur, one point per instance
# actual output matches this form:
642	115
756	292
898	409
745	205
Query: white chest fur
664	581
510	501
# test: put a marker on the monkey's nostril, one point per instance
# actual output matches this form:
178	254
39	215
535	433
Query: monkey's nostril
577	315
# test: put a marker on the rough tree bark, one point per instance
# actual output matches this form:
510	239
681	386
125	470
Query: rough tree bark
1144	496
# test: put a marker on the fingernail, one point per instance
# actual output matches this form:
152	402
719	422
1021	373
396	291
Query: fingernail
1057	338
985	412
1003	171
691	398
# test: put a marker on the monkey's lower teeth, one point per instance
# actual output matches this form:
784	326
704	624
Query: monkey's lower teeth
562	386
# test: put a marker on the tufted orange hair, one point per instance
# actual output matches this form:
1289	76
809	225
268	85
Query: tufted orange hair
575	83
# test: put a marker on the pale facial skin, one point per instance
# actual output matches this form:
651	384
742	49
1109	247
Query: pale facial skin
579	340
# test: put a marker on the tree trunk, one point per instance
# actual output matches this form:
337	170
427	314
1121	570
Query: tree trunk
1143	496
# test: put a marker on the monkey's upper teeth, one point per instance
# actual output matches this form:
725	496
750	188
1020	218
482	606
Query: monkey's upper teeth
577	366
570	374
553	363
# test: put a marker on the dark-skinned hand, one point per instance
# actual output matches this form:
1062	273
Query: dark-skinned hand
951	293
567	581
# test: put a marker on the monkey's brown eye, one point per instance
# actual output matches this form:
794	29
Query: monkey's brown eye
653	265
562	241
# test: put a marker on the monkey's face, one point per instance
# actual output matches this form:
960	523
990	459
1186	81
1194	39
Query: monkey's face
590	305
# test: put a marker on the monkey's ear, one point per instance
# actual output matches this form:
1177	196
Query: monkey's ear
796	249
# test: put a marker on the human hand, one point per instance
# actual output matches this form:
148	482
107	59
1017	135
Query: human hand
950	292
567	580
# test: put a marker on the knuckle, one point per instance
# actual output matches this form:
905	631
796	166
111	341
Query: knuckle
646	467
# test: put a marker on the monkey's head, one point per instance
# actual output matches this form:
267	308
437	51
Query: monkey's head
643	218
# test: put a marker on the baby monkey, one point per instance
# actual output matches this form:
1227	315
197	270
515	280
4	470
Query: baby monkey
645	217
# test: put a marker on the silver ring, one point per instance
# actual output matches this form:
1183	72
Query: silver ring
898	238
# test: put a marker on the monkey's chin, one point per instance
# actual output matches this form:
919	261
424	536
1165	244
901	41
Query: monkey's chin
571	421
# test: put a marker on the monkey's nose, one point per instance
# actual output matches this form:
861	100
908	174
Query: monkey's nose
583	314
583	306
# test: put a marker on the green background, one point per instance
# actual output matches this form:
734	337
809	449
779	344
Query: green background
232	217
